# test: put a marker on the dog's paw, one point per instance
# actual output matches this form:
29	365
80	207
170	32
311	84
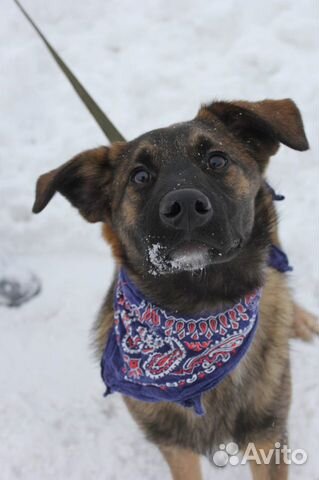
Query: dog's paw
305	325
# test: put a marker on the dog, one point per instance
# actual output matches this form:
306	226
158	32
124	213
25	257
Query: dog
190	219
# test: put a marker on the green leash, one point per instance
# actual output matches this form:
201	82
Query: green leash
100	117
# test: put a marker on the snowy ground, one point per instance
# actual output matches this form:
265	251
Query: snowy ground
148	64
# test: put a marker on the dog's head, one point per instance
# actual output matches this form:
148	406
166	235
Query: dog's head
182	197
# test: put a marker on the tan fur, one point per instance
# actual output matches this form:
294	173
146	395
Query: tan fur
306	325
204	114
238	183
101	333
271	471
184	464
265	472
112	239
275	326
116	152
129	209
145	147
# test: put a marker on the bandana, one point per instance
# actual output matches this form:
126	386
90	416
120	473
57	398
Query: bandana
154	355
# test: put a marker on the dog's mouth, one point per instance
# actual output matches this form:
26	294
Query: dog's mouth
190	256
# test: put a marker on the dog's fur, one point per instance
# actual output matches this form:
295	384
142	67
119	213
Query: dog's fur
251	404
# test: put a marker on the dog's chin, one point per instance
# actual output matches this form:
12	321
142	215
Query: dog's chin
189	257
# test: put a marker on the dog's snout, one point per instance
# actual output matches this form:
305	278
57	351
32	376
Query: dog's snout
185	209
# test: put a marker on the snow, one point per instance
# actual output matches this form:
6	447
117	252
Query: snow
154	255
148	64
192	260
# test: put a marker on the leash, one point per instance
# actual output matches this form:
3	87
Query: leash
100	117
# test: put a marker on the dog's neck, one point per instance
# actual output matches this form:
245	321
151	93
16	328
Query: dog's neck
191	292
197	293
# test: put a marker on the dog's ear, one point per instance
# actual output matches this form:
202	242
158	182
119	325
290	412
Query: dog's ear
85	181
261	125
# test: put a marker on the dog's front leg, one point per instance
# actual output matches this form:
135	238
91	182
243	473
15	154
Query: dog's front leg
183	464
272	470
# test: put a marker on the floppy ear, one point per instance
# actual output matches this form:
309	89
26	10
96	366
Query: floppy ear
85	181
261	125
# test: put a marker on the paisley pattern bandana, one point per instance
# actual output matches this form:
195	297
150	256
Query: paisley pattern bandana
154	356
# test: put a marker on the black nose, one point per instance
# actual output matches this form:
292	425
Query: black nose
185	209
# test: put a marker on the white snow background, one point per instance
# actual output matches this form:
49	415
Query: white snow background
148	64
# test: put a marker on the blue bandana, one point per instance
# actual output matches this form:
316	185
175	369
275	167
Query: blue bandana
154	355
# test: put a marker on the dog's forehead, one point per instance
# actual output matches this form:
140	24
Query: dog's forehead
178	136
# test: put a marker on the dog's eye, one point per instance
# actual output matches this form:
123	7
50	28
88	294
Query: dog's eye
140	176
217	160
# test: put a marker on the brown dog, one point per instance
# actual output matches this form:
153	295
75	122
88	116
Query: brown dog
143	192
